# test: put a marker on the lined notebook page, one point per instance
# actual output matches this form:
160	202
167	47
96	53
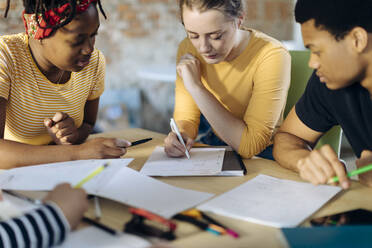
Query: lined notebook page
271	201
203	162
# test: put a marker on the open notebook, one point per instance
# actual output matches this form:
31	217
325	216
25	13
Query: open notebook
204	161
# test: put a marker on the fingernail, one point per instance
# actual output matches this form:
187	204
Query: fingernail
122	143
345	185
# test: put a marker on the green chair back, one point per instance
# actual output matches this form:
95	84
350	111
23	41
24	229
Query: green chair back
300	74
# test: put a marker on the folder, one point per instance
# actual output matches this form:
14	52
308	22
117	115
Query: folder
327	237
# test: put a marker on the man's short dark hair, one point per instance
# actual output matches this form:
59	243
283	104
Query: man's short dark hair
338	17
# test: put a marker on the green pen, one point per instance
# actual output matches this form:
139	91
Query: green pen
352	173
332	222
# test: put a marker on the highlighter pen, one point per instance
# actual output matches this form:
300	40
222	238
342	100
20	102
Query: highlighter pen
150	216
179	136
91	175
201	225
141	141
352	173
228	230
216	225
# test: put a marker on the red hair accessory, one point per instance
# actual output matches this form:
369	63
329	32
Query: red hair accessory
54	17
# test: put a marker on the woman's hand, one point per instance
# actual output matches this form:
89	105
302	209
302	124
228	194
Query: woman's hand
174	148
100	148
62	129
188	68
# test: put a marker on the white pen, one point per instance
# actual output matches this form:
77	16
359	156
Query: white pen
175	130
97	208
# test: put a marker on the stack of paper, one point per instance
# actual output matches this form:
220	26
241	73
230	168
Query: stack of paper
116	182
271	201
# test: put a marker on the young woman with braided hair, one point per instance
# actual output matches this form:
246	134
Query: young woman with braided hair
51	78
236	77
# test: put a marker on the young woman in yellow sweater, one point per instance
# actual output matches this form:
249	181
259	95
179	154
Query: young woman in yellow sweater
51	78
237	78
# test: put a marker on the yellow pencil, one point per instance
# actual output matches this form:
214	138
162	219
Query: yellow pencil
91	175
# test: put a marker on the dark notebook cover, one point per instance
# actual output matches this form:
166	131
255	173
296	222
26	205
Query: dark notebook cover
232	163
327	237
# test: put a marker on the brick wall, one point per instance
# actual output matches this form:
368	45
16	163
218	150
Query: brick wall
141	32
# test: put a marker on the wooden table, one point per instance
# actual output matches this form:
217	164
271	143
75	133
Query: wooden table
252	235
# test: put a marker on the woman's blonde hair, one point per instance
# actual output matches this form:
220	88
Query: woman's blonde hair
231	8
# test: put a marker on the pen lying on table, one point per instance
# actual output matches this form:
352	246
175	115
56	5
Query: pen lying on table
213	223
199	224
100	226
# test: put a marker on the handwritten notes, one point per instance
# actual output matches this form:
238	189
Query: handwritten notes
271	201
203	162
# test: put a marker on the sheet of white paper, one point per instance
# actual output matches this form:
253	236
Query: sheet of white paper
47	176
271	201
203	162
116	182
132	188
12	206
92	237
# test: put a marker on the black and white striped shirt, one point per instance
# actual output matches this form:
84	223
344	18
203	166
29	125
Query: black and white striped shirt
43	227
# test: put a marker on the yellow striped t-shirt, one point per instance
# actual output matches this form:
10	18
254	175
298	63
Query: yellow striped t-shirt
31	97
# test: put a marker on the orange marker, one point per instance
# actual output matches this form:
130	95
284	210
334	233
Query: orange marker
148	215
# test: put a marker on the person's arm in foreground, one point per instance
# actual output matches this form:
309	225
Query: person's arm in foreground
15	154
293	150
48	225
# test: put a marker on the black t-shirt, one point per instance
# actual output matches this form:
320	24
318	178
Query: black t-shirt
320	109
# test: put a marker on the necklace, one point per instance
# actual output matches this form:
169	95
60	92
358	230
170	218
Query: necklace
60	77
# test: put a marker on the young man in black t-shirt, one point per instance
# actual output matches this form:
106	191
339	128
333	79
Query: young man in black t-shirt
339	35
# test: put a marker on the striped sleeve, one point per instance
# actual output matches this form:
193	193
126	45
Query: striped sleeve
98	85
5	70
43	227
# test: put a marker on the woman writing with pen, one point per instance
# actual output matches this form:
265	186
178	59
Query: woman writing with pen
230	78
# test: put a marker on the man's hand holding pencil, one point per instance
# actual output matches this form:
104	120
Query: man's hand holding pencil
365	160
